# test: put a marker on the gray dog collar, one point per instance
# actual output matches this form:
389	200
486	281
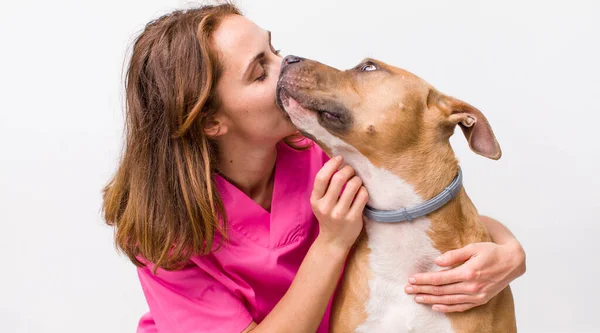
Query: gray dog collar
409	214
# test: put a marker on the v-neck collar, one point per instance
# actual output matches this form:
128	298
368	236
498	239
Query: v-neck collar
241	197
247	217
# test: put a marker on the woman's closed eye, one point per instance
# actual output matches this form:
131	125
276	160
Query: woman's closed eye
265	68
263	76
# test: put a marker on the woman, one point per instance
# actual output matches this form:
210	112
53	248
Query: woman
215	193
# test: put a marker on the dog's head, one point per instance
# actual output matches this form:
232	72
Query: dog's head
378	109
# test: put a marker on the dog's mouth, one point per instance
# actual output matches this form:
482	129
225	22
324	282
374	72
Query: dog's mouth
294	103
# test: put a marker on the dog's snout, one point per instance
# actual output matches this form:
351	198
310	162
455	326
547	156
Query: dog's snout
291	60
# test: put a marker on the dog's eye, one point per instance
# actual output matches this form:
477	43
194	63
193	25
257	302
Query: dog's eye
368	67
329	116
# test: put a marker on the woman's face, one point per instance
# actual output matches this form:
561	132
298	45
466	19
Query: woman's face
246	89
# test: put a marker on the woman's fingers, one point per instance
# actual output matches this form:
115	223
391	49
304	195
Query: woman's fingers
449	289
339	214
350	191
337	182
445	300
323	176
457	256
453	308
440	278
360	200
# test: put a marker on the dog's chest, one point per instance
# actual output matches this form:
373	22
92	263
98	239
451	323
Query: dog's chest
397	251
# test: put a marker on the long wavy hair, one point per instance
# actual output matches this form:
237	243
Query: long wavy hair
162	200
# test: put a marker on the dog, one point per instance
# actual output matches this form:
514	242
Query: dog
393	128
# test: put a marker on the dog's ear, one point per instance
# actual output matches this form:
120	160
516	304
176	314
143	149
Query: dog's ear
475	126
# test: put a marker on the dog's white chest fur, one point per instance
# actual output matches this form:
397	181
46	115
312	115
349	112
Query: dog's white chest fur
397	249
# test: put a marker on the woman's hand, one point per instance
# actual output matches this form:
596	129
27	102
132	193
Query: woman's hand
340	214
487	269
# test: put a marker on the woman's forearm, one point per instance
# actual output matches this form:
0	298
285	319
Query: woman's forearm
502	236
498	232
302	307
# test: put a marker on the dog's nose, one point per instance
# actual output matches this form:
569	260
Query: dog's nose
291	60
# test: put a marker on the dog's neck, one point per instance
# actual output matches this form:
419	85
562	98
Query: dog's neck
427	172
405	180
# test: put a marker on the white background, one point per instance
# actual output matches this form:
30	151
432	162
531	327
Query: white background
530	66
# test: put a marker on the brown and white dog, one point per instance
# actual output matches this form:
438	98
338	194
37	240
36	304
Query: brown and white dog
393	128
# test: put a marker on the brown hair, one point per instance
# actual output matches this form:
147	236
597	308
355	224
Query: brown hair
162	199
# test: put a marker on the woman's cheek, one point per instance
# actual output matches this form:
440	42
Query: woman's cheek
268	94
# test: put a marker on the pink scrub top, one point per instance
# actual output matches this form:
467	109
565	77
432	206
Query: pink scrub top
243	280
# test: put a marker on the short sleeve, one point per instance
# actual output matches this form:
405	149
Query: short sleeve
188	301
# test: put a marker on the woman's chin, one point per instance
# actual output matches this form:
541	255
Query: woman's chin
290	128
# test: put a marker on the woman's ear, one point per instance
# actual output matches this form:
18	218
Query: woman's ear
214	126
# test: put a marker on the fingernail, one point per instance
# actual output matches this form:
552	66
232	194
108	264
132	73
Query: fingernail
435	308
412	280
410	289
439	259
419	299
338	158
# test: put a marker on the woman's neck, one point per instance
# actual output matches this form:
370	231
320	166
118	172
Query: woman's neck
250	167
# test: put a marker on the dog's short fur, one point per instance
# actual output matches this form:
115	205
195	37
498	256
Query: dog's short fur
394	129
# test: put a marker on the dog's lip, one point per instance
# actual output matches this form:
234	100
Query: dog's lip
279	91
283	91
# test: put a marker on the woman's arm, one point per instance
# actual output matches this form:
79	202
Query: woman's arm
499	233
301	309
340	220
485	270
